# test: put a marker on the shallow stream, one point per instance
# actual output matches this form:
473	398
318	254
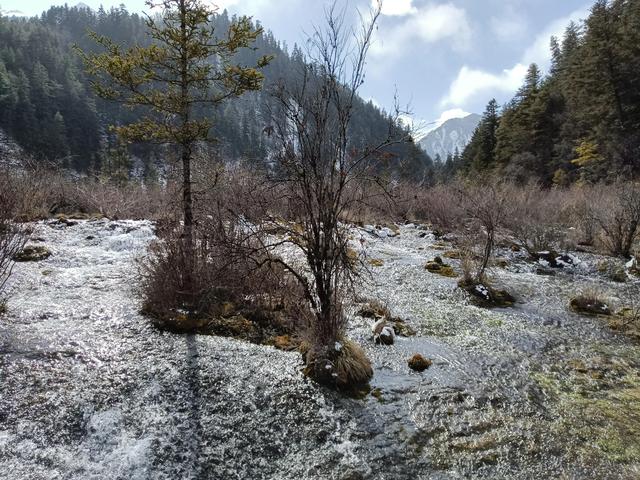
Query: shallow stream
90	390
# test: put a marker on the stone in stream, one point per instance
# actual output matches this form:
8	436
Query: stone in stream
383	333
32	253
419	363
589	305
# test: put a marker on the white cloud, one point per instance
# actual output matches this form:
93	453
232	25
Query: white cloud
428	24
453	113
395	8
538	51
471	83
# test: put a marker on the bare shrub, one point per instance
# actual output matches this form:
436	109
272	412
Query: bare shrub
618	213
131	200
441	206
322	177
221	282
580	209
535	218
12	237
485	207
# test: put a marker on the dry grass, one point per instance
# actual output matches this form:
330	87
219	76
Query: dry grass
591	302
342	369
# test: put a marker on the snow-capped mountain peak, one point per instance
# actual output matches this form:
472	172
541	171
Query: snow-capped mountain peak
453	134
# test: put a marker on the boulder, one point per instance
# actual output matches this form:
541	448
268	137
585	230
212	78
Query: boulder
555	260
589	305
32	254
419	363
438	267
486	296
383	333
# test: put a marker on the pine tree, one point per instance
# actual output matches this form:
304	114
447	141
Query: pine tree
186	67
480	153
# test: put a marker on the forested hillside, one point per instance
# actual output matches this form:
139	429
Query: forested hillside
579	123
47	105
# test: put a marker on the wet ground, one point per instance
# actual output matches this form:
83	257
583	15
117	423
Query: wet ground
89	390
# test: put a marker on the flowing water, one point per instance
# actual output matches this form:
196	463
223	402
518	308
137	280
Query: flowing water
89	390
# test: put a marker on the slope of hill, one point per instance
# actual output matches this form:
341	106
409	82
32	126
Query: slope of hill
453	134
47	106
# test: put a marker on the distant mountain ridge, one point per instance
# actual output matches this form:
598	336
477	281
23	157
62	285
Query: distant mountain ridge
453	134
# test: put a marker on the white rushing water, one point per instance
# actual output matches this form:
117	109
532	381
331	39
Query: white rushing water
90	390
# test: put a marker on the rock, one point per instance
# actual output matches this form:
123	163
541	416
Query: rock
64	221
487	296
633	267
352	256
376	262
544	271
453	254
383	333
589	305
402	329
554	260
227	309
419	363
501	262
32	254
437	266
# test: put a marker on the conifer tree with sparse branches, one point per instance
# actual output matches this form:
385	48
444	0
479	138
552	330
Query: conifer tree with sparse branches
187	70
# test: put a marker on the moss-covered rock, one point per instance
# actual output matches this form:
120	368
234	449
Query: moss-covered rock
402	329
613	270
627	321
352	256
32	253
419	363
486	296
236	327
438	267
590	305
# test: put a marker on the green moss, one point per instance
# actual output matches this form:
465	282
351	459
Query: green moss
600	414
377	394
440	268
495	322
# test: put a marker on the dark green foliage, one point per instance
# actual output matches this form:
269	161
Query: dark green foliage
41	76
582	121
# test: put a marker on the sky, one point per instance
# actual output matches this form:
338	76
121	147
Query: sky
444	58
